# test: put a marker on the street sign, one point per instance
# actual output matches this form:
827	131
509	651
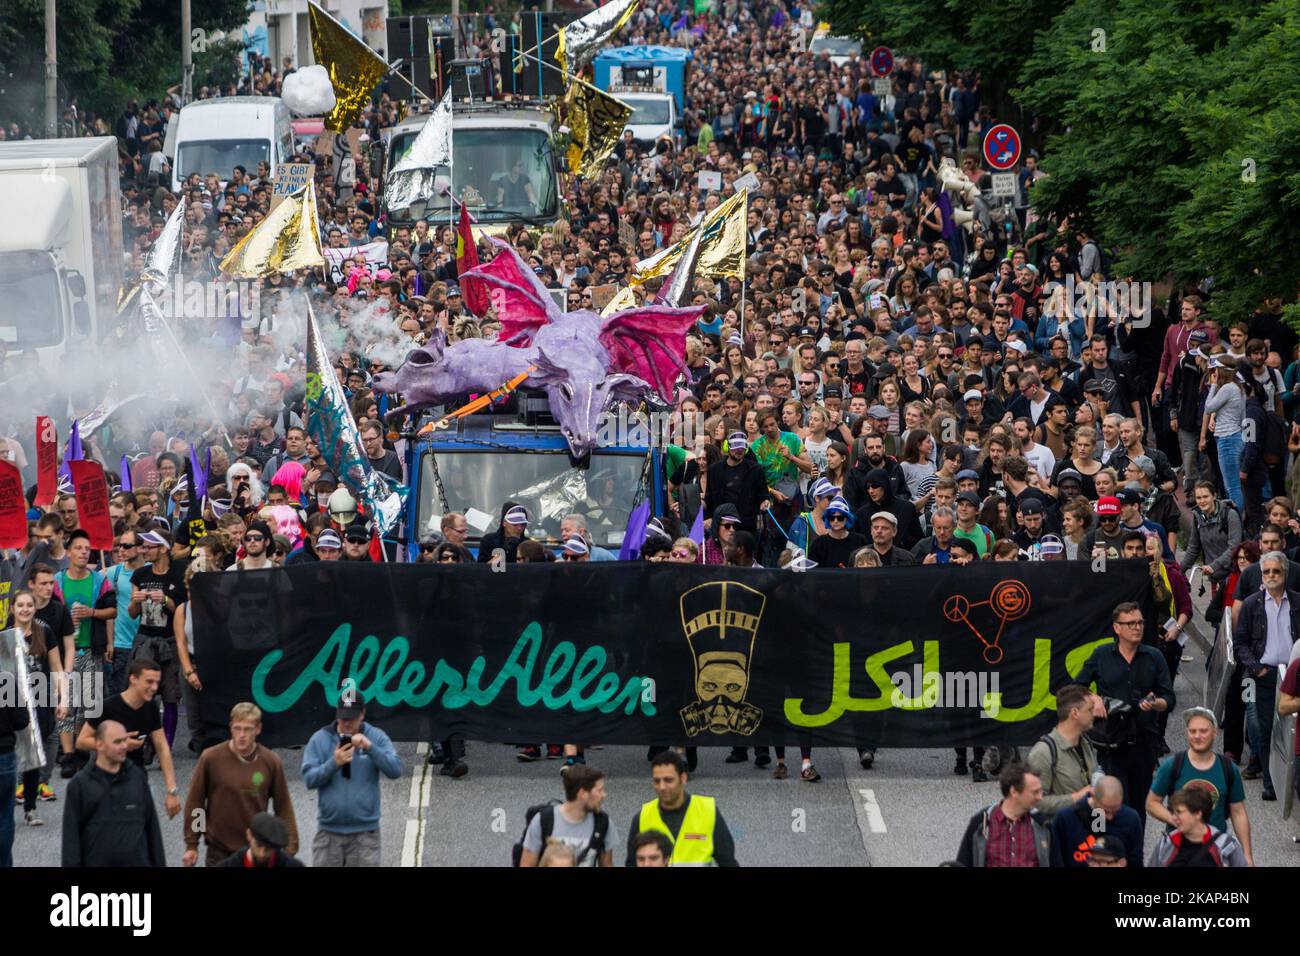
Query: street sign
1004	185
883	87
1002	147
882	61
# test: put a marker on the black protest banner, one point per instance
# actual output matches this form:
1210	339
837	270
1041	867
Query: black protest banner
667	653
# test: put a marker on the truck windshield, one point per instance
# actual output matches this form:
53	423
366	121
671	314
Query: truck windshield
221	156
648	112
29	289
477	483
500	173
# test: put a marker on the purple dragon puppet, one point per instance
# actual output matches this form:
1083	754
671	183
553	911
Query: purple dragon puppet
585	363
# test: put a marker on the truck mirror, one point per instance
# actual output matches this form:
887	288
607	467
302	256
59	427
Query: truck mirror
77	284
81	317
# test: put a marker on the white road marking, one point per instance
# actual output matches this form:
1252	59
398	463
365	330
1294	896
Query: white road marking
422	748
410	843
875	819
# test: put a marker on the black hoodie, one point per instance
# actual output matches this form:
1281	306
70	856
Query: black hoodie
110	819
909	523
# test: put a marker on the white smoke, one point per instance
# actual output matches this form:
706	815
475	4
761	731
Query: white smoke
307	92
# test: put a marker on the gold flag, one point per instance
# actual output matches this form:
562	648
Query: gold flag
722	245
287	239
595	120
354	68
626	299
579	41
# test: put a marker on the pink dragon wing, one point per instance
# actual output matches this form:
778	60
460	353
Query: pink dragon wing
523	304
650	343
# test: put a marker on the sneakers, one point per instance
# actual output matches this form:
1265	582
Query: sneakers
737	755
20	793
572	762
960	768
867	758
32	819
809	774
436	755
454	769
762	759
45	792
528	754
554	751
978	774
1268	794
1252	771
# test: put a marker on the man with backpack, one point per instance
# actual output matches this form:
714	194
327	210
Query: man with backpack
578	822
1065	759
1263	446
1200	766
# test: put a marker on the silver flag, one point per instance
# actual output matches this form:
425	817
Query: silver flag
412	179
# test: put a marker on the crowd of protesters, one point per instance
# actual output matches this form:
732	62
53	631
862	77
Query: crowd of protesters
902	388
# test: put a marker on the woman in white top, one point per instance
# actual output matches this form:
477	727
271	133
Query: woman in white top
1227	403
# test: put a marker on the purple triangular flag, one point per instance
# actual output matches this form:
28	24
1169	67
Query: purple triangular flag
126	473
634	536
72	450
697	529
200	488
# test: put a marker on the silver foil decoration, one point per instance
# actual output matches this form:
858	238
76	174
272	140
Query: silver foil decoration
580	40
162	256
412	179
29	747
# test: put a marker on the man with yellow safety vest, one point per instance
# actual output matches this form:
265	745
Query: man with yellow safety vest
692	822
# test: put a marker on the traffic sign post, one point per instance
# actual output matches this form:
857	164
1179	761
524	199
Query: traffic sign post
882	61
883	86
1002	147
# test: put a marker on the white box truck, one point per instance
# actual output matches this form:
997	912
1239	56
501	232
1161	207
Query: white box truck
215	136
60	242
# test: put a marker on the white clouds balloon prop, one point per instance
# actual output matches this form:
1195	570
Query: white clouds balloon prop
308	92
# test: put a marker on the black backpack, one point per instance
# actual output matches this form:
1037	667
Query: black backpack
547	811
1120	727
1273	447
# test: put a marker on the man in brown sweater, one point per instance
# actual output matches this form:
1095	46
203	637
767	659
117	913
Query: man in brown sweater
232	783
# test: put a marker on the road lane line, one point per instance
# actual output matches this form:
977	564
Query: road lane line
875	819
410	843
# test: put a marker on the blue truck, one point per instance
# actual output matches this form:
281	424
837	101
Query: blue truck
652	80
481	461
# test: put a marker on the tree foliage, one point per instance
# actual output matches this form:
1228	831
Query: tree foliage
109	51
1171	125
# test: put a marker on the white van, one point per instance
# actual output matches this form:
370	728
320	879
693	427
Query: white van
654	116
215	136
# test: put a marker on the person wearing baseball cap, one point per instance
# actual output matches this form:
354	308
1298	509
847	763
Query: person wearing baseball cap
884	529
329	546
810	524
1108	850
968	525
1030	516
738	480
512	532
835	548
1108	534
356	542
1131	502
575	550
343	762
1200	766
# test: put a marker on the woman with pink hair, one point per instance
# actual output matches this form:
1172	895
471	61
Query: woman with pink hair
289	476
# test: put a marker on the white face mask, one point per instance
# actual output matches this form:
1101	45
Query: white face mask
323	502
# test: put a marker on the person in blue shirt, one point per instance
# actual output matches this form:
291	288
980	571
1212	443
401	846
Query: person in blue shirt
343	761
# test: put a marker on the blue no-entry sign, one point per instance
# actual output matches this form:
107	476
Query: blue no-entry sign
1002	147
882	61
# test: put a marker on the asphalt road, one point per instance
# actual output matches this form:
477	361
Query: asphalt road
910	810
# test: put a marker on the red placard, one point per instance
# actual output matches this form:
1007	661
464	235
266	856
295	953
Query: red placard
92	502
13	507
47	460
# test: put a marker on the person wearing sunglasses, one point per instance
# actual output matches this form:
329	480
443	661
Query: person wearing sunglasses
1108	537
684	551
448	553
258	548
835	548
575	551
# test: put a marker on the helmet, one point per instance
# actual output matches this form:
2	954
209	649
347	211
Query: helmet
343	507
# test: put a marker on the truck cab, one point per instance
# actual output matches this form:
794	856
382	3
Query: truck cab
216	135
482	461
652	80
654	116
503	165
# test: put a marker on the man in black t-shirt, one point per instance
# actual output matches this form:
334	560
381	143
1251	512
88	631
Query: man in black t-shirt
137	710
156	591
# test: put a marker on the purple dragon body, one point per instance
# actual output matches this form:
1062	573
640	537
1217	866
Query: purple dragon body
585	363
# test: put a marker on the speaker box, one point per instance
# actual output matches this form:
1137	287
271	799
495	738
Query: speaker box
538	80
471	79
